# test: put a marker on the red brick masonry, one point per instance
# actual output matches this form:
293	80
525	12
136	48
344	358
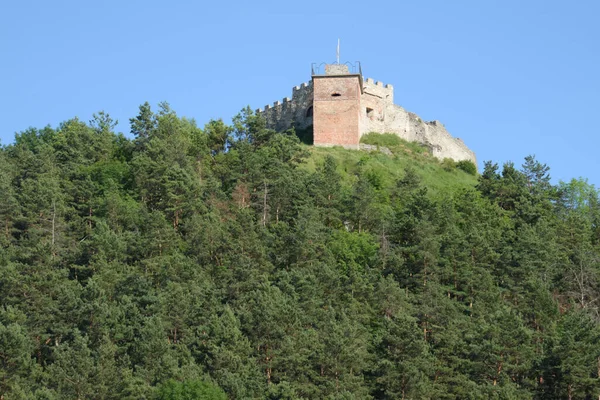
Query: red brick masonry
336	110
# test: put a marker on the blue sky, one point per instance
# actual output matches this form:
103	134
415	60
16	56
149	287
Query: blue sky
511	78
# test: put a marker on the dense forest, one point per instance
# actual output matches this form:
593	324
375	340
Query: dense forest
235	262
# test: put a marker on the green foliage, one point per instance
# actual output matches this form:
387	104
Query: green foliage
396	144
390	168
448	164
190	390
305	135
232	261
354	251
468	166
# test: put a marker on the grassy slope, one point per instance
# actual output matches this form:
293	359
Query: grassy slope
435	176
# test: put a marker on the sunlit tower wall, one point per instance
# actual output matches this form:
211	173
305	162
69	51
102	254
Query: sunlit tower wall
336	107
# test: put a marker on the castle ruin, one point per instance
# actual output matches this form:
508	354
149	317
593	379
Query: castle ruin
341	106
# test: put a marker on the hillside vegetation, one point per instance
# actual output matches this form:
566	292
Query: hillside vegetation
388	169
231	261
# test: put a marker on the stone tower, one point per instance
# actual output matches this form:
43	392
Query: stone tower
336	107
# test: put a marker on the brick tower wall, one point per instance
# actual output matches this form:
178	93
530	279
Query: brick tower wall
336	109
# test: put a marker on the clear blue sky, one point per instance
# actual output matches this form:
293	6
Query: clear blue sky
510	77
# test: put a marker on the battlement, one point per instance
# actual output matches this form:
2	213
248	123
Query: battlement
302	86
288	112
379	89
371	81
299	93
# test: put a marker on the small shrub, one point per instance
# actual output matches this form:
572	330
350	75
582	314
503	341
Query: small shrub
363	160
468	166
448	164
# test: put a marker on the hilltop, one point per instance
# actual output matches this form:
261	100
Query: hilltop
233	261
389	156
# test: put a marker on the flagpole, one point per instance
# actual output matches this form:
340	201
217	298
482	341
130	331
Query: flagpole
338	51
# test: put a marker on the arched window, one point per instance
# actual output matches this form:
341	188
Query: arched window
309	111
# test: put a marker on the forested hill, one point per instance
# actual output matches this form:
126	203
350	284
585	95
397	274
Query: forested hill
231	261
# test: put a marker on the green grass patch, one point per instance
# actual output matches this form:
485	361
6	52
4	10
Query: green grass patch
396	144
389	169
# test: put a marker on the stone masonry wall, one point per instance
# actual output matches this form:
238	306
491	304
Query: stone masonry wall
379	89
410	127
283	115
374	102
380	114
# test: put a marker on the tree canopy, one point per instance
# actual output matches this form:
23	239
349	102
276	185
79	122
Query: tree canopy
229	261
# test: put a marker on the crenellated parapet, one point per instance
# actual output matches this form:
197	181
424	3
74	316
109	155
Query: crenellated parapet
379	89
303	86
290	112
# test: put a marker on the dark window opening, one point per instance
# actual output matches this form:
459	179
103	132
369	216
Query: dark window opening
309	111
335	95
369	112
